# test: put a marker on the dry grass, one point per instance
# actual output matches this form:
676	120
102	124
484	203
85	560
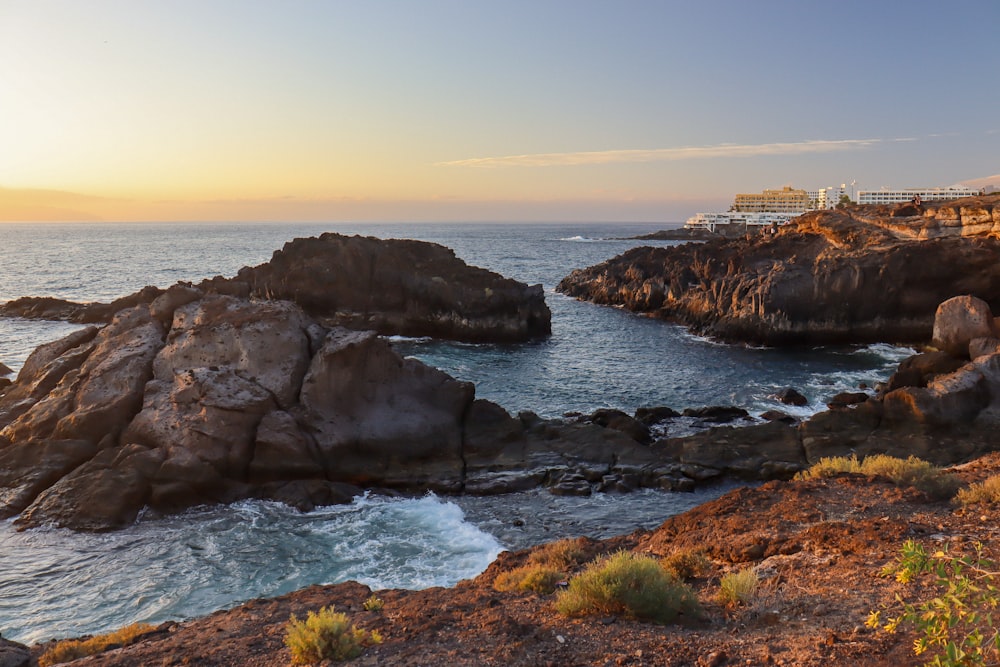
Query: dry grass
739	587
629	585
986	492
74	649
910	471
537	578
686	564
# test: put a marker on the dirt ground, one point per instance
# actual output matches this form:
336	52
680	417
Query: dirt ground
818	547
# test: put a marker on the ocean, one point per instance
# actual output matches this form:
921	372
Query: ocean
57	583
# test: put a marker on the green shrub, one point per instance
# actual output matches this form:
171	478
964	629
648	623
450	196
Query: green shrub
958	623
538	578
327	635
739	587
559	555
374	603
910	471
987	492
686	564
630	585
74	649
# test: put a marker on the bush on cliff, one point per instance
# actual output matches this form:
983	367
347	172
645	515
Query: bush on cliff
563	554
686	564
537	578
910	471
326	635
74	649
629	585
739	587
954	618
986	492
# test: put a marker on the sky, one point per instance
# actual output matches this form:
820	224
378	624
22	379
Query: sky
469	110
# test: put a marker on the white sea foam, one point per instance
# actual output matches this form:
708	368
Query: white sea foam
581	239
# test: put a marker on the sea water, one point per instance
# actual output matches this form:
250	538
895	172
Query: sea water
57	583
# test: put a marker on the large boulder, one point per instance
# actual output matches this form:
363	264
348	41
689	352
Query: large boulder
360	398
960	320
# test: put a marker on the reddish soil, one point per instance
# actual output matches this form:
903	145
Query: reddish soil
818	546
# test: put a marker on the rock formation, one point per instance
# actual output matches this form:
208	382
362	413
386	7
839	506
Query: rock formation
855	275
203	398
409	288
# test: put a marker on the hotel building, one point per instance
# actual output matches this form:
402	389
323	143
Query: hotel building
887	196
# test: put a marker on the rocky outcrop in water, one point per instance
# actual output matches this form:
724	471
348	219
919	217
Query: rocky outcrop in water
205	398
858	275
409	288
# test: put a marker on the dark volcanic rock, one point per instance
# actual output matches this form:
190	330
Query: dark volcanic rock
790	396
409	288
851	276
412	288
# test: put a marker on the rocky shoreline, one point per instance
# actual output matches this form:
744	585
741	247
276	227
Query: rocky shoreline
227	390
817	547
857	275
390	286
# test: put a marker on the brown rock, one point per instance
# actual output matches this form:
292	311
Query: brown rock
380	419
403	287
980	347
959	320
849	276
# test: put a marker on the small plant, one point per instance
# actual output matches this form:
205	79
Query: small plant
627	584
326	635
958	624
986	492
537	578
374	603
559	555
910	471
74	649
686	564
739	587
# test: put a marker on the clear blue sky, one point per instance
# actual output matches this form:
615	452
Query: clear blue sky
468	110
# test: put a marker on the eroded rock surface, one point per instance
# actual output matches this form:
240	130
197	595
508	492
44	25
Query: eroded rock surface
402	287
856	275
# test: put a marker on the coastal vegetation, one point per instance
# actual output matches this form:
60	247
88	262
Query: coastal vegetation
985	492
374	603
686	564
739	587
546	567
74	649
910	471
326	635
631	585
955	623
533	577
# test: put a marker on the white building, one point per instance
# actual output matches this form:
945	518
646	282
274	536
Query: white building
830	197
711	221
887	196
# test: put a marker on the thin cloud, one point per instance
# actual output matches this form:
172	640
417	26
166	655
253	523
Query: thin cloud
663	154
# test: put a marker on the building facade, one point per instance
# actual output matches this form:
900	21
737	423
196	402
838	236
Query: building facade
785	200
887	196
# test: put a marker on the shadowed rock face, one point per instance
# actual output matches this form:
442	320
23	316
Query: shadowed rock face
403	287
853	276
409	288
236	398
239	398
